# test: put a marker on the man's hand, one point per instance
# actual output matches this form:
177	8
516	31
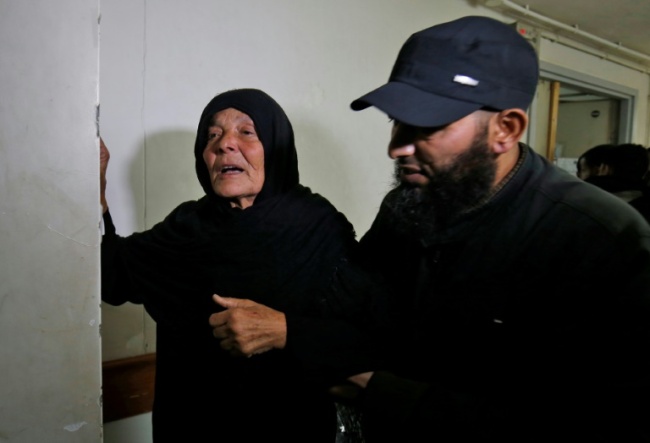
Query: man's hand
104	157
247	327
349	391
361	380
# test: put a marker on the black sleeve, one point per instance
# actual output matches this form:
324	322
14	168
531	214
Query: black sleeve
344	338
402	409
115	286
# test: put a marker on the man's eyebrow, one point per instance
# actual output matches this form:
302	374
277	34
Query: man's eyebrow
432	129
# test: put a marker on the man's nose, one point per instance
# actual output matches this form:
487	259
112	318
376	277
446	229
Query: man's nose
397	151
401	141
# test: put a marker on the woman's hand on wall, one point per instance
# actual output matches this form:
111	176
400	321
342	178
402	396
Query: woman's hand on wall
104	157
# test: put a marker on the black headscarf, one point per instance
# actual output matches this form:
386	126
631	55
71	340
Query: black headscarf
273	129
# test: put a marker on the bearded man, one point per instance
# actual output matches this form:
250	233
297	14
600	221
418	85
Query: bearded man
519	294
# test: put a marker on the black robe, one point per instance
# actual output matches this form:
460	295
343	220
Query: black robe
284	252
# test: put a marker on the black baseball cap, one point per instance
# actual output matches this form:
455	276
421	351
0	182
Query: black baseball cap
446	72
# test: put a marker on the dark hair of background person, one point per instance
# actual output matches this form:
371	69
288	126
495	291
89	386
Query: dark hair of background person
620	170
629	160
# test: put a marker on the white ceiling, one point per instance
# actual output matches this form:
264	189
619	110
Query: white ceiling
624	22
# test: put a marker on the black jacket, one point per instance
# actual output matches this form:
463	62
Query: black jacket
634	192
529	320
283	253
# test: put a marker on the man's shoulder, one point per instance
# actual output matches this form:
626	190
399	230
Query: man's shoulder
554	191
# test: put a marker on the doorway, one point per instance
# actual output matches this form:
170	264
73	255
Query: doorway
573	112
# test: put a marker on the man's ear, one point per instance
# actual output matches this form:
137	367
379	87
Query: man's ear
604	169
506	129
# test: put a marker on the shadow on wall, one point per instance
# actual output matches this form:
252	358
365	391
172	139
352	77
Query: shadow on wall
169	173
161	177
323	164
341	172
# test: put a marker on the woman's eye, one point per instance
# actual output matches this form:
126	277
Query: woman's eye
213	134
248	131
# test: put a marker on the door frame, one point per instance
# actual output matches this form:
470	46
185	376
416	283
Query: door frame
627	98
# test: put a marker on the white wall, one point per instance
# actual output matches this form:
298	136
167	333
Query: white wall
50	357
161	62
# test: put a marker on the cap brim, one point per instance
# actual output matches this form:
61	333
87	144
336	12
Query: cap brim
414	106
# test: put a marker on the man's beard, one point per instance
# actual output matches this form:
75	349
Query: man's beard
452	191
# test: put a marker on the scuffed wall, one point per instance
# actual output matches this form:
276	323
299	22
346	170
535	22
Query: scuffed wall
50	350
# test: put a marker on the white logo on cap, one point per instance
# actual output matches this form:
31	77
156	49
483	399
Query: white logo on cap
465	80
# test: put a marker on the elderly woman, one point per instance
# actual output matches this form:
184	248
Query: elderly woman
258	234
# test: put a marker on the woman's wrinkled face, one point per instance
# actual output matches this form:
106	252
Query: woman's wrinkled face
234	156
